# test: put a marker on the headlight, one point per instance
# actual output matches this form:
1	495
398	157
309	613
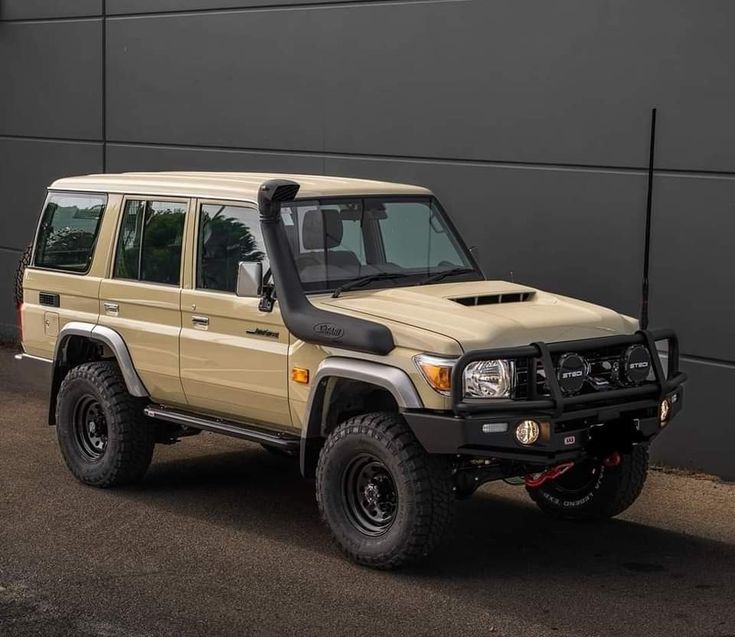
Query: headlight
489	379
437	371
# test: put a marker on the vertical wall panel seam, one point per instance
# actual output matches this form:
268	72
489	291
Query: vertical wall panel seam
104	86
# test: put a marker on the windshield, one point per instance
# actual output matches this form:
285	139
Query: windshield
337	241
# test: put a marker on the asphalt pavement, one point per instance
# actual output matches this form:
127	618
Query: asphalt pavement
223	538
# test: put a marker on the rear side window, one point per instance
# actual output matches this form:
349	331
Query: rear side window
150	242
68	231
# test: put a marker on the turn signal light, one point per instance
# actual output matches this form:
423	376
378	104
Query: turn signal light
437	371
300	375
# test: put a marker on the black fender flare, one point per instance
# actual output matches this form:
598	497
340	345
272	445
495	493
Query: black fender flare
392	379
100	334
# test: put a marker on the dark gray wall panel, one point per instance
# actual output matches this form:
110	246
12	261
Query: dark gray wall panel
27	167
509	80
569	82
693	264
703	436
35	9
121	158
51	74
569	231
8	264
218	80
116	7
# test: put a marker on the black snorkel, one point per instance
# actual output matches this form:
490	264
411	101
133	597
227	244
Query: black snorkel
303	320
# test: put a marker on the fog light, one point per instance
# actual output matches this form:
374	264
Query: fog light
527	432
664	411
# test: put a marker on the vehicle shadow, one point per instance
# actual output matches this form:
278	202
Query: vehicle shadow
501	541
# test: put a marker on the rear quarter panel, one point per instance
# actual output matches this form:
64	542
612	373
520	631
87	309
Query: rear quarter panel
78	293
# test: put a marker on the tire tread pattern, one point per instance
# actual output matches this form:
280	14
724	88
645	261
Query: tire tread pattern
23	263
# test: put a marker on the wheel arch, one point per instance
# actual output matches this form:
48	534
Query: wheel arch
388	383
80	342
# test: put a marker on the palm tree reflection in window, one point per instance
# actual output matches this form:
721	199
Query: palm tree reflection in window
225	239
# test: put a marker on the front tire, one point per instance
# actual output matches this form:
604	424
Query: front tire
593	491
102	432
385	500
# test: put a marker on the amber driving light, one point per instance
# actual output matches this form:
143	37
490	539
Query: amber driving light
664	411
527	432
437	371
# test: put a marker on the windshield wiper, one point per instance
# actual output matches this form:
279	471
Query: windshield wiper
360	281
438	276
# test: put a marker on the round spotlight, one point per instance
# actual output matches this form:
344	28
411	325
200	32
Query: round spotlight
636	364
527	432
664	411
572	371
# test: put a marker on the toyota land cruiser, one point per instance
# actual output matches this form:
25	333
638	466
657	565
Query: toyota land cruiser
342	321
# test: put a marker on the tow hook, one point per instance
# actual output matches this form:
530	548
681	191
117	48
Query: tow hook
535	480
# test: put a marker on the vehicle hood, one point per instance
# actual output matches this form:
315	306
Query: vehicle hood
483	314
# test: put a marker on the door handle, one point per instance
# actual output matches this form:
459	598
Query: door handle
111	308
200	322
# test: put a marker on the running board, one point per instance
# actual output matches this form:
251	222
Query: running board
217	425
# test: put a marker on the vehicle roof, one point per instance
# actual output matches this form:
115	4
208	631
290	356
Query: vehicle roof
228	185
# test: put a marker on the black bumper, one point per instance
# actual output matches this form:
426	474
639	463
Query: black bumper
572	426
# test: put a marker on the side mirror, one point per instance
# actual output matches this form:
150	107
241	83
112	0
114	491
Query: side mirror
249	278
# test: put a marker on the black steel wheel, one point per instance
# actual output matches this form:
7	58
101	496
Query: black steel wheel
90	427
593	491
385	500
370	495
103	435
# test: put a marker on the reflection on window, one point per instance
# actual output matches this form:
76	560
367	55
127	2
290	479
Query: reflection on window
150	242
68	231
227	236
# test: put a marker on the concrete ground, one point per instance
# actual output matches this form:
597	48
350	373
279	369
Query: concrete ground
223	538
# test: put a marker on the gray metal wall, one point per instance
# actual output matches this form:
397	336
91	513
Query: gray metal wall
528	118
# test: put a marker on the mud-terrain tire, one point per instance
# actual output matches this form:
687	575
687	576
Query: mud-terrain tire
23	263
103	435
594	491
385	500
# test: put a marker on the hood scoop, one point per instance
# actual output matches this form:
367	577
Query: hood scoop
494	299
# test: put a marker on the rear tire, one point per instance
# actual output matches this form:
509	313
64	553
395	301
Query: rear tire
385	500
102	432
23	263
593	491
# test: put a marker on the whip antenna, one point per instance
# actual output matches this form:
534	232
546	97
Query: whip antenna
647	244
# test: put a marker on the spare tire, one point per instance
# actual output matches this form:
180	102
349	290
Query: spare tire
25	260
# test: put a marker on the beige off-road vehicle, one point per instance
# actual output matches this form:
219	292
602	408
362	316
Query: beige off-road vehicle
340	321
